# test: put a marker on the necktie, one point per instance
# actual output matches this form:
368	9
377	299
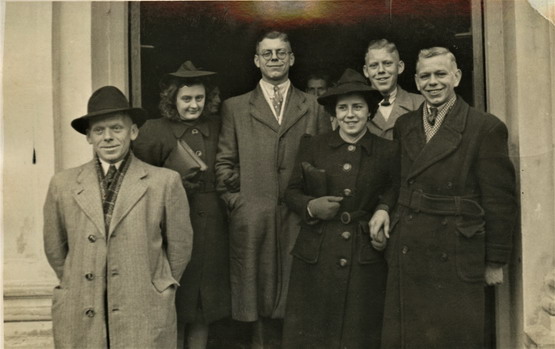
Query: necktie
277	101
432	116
110	175
385	102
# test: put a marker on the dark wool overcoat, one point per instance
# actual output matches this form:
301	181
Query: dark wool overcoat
337	287
435	290
120	284
262	228
204	294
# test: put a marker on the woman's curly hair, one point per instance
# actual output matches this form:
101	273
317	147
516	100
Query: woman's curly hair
168	96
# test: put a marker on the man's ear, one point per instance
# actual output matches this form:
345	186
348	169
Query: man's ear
257	61
416	82
291	59
458	77
400	67
133	132
88	134
364	70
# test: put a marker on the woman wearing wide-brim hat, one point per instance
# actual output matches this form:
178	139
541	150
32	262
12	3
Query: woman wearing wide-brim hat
341	179
204	295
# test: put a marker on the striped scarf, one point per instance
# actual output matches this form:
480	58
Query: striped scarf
109	193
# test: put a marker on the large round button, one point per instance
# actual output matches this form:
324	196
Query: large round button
91	238
347	167
89	276
449	185
444	257
351	147
411	181
343	262
198	152
89	312
194	131
409	217
346	235
347	192
405	250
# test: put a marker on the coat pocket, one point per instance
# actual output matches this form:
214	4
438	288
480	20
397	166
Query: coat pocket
308	243
471	249
367	254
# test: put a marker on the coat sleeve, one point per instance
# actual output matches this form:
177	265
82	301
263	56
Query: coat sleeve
178	233
227	157
151	146
496	178
55	234
391	159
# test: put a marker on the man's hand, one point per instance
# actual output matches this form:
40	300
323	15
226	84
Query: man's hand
232	182
325	207
493	275
378	222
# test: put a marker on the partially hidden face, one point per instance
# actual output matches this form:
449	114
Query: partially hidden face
383	68
436	78
189	101
352	114
213	101
111	136
316	87
274	70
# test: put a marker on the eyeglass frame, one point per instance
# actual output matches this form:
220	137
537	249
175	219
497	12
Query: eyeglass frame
277	52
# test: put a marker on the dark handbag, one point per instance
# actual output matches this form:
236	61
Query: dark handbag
184	160
315	182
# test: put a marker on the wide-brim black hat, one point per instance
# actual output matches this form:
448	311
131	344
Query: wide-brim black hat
350	82
108	100
186	71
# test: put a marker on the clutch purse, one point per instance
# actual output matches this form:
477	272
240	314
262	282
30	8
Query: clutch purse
315	182
184	160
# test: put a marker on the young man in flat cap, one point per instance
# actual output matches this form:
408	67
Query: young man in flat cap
117	234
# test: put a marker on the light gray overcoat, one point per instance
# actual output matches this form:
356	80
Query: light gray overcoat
127	276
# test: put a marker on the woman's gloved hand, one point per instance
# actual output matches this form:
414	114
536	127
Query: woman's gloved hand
324	207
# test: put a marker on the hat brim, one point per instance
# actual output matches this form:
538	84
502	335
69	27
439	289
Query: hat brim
138	115
331	95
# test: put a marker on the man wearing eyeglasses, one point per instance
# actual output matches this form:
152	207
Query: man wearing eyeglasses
260	136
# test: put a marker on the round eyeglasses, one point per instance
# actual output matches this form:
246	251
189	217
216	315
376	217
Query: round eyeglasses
280	54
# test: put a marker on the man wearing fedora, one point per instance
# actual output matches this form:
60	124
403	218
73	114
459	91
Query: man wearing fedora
260	135
117	237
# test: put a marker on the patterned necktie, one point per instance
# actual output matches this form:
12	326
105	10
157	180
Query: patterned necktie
385	102
432	116
110	175
277	101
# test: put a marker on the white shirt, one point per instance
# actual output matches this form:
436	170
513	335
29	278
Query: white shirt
268	91
106	165
386	110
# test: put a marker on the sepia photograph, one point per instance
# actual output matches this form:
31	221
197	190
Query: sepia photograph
341	174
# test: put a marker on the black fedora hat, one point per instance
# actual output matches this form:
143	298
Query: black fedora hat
104	101
350	82
187	70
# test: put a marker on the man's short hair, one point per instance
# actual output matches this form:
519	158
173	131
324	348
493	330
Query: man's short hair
382	43
319	76
273	34
437	51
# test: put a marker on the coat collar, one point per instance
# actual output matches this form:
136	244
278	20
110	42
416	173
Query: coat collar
402	104
335	141
179	128
443	143
87	193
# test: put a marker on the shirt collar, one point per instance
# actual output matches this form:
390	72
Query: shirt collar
269	88
392	96
440	108
106	165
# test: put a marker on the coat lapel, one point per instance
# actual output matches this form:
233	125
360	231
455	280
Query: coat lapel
87	195
131	190
295	108
444	142
261	111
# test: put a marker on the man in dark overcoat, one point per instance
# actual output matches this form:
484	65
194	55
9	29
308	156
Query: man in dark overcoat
260	135
118	235
453	226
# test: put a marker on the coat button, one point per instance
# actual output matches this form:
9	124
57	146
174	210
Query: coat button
91	238
89	312
449	185
115	272
89	276
347	192
405	250
411	181
347	167
343	262
346	235
351	147
409	217
444	221
198	152
194	131
444	257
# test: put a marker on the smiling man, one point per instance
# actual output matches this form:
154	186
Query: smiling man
260	136
382	67
118	236
452	230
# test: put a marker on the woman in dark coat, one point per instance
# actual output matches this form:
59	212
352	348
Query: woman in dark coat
340	181
204	295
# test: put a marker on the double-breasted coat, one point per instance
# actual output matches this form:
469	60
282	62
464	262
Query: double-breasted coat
118	284
337	288
204	294
262	228
404	102
456	213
